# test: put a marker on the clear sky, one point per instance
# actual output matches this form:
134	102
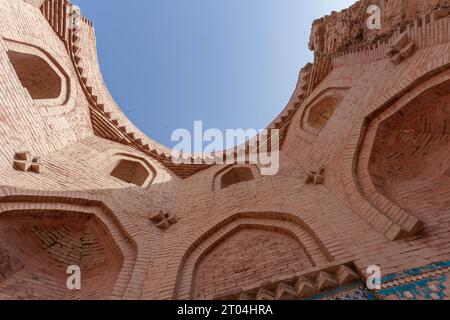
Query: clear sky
230	63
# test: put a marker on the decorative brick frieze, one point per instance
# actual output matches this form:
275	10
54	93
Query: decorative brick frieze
301	287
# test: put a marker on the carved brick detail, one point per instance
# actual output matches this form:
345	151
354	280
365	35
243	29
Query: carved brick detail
24	161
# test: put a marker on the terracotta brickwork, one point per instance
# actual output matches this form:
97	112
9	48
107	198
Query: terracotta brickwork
363	179
234	263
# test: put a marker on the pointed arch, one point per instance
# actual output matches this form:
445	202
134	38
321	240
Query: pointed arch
284	228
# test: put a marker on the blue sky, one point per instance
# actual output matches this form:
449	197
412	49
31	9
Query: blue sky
229	63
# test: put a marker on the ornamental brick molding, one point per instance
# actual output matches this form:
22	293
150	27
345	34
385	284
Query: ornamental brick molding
164	220
315	177
402	48
24	161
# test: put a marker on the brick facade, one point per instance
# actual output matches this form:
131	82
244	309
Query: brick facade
363	179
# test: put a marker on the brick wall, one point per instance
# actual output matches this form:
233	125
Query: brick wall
363	214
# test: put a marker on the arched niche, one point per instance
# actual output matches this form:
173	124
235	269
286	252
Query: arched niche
132	169
391	162
43	79
235	174
320	110
248	254
36	75
37	247
410	155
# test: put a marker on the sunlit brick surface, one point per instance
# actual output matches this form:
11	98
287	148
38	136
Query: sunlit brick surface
363	174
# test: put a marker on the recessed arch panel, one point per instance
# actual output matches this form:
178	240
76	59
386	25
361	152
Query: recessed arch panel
41	75
320	110
36	75
55	229
131	169
275	235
